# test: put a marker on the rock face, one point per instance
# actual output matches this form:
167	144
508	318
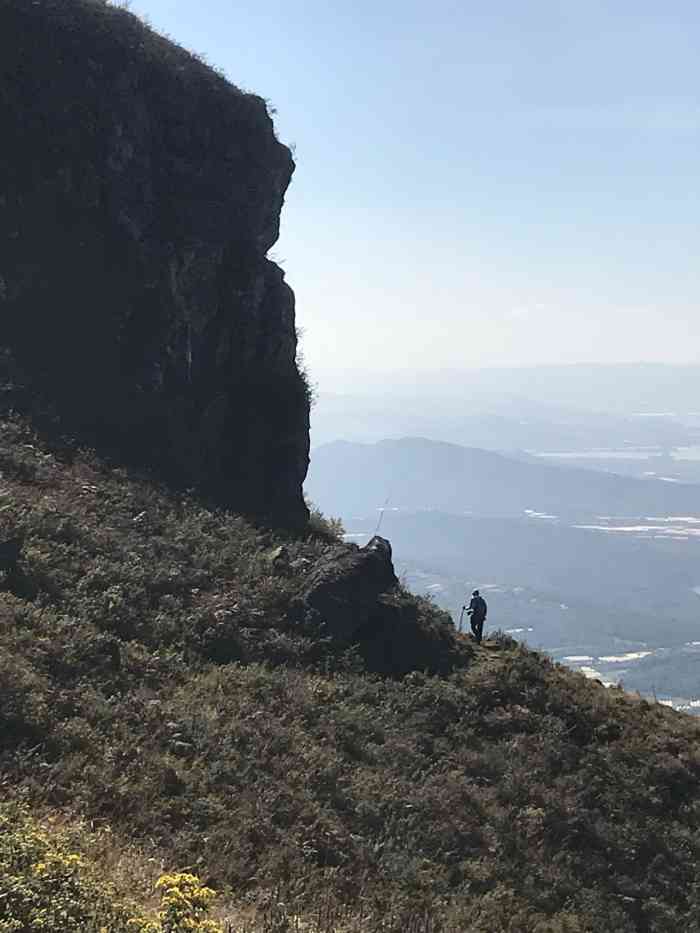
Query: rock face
139	195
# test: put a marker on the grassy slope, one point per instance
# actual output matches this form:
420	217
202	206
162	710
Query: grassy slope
150	678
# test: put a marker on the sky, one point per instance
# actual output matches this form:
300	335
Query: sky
478	184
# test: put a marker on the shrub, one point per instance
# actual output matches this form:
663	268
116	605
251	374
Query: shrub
184	905
328	529
44	886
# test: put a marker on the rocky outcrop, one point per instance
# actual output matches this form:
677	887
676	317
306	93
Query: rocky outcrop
354	594
139	195
344	587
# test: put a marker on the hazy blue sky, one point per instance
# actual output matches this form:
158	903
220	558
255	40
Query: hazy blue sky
478	183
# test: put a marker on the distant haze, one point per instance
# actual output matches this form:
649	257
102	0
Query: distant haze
547	408
630	388
478	184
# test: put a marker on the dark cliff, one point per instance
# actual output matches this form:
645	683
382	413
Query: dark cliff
139	195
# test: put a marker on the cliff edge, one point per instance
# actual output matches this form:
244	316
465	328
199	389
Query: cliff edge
139	195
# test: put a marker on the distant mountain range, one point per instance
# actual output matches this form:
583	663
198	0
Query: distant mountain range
349	479
494	422
612	388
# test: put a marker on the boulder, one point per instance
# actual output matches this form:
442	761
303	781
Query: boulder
355	596
344	588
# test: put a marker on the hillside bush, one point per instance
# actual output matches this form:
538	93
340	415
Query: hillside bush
330	529
46	885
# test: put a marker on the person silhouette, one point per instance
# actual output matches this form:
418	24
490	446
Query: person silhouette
477	615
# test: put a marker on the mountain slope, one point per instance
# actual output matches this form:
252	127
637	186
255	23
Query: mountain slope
413	473
150	679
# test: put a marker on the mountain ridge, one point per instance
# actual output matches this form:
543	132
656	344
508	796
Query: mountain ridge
419	472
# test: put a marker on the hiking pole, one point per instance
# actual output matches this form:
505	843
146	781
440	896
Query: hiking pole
460	619
381	516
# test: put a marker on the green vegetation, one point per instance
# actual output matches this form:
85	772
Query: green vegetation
324	527
154	681
45	884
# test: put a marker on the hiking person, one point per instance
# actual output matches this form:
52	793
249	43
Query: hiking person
477	615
